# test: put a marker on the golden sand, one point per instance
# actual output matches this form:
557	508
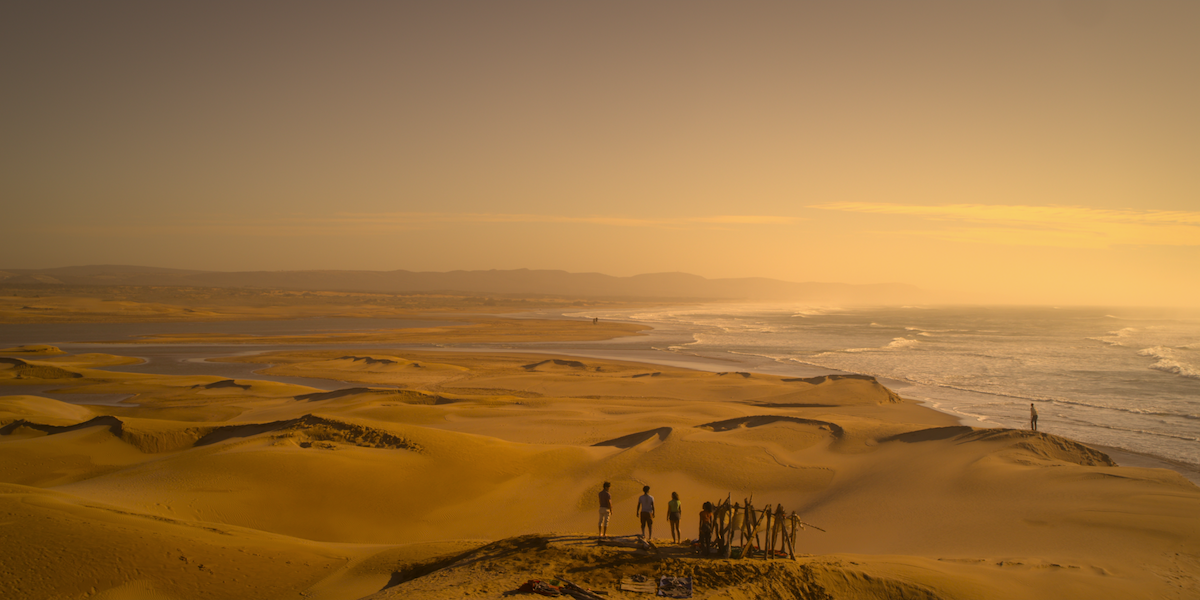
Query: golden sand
448	474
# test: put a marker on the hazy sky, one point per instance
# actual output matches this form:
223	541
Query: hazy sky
1019	151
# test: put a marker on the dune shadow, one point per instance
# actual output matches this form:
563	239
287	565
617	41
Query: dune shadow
929	435
405	396
316	429
823	378
628	441
760	420
224	383
115	425
574	364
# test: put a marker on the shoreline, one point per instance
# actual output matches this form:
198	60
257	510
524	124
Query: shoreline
649	349
1123	457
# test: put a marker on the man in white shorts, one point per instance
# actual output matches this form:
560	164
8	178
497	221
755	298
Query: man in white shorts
605	509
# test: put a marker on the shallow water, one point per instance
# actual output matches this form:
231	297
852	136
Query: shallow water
189	359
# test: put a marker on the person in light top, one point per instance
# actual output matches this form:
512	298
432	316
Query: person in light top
1032	417
674	514
645	510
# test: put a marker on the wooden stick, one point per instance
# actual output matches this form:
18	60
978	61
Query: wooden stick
794	519
769	536
780	527
732	524
747	530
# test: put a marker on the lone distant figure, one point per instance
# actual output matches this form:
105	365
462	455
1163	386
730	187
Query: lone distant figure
595	320
605	509
1032	417
645	510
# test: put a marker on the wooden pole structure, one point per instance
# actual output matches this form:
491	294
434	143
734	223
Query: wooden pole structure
769	534
748	529
777	528
734	525
758	523
794	522
746	511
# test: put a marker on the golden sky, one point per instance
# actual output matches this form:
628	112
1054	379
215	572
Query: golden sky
1044	152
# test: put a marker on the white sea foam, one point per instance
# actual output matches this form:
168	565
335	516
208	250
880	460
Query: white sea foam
896	344
1116	338
815	311
1170	362
1099	389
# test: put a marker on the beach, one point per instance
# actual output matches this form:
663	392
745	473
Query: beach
446	472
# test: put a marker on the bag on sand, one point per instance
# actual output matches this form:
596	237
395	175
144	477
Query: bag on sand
535	586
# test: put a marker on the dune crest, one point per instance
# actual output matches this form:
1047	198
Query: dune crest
759	420
20	369
1045	446
406	396
41	349
555	362
634	439
311	428
306	430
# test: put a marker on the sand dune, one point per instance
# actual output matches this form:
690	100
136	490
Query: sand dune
760	420
635	439
206	487
37	349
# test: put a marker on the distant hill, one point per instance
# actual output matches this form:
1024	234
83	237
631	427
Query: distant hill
661	286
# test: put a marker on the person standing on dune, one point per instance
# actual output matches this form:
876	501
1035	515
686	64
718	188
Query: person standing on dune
1032	417
674	514
605	509
645	510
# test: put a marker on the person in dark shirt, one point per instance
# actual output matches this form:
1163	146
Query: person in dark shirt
706	525
605	509
645	510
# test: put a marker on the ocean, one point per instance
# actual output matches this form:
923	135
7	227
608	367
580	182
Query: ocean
1124	378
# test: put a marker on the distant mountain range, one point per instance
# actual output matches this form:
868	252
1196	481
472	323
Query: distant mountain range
661	286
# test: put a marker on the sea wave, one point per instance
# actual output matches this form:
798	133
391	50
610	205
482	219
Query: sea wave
1149	411
896	344
804	313
1162	434
1169	362
1116	338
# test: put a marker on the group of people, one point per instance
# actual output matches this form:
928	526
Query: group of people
646	513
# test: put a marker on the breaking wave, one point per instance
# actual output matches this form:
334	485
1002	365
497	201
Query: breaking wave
896	344
1116	338
1169	362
